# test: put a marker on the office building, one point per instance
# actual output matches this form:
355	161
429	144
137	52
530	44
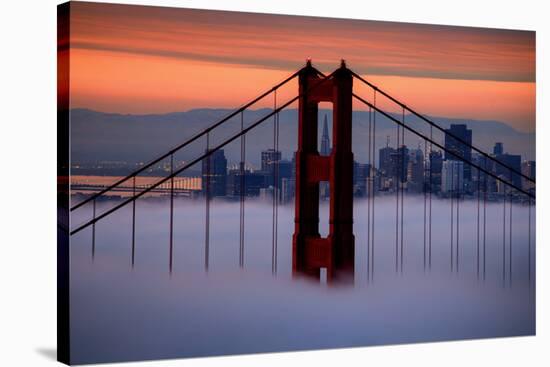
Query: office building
288	187
360	174
399	160
252	183
498	149
458	148
509	161
270	158
214	173
433	171
528	168
452	177
385	161
415	171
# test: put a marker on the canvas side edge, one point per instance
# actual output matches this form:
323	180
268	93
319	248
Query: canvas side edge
63	202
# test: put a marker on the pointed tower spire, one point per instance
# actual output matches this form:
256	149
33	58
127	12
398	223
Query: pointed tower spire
325	140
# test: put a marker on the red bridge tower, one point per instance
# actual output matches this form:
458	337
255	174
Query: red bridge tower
311	252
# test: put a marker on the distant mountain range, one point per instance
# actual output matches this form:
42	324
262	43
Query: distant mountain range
98	136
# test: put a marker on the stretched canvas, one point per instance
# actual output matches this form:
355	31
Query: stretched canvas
233	183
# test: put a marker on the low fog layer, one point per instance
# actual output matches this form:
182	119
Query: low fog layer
145	312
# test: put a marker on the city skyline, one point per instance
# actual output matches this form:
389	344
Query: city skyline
419	171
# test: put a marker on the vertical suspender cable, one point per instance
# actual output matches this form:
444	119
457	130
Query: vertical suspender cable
397	183
459	188
276	191
273	185
425	191
478	202
133	221
529	241
171	212
430	197
504	235
369	191
484	218
373	191
452	213
207	202
403	179
242	196
93	231
510	238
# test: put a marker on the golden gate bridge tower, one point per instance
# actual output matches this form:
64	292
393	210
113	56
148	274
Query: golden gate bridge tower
310	251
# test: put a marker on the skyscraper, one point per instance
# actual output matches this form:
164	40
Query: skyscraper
510	160
452	177
385	161
415	171
288	186
498	149
360	173
435	166
399	161
214	171
462	132
528	168
253	182
325	140
270	158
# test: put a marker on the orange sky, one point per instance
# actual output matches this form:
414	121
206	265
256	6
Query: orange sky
132	59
